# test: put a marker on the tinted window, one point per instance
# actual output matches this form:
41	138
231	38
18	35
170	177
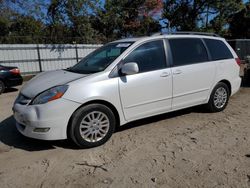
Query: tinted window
218	49
149	56
187	51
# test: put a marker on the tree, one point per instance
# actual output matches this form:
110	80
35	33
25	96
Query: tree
99	21
17	23
5	14
223	11
184	15
4	27
76	15
239	23
200	15
127	18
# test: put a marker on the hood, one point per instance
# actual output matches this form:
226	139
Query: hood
46	80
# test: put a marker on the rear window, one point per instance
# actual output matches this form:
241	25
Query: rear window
187	51
218	49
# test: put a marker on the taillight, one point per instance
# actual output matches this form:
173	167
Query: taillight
15	71
238	61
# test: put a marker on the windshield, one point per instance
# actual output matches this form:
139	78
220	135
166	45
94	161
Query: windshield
100	59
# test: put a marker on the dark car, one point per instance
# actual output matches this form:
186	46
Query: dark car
9	77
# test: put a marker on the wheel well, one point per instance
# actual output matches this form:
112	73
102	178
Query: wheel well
2	80
109	105
4	84
228	85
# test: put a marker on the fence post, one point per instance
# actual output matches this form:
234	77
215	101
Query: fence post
76	53
39	58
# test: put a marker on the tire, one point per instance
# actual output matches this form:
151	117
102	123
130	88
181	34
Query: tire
218	98
85	122
247	77
2	87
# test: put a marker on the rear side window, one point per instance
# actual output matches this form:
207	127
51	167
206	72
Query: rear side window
149	56
218	49
187	51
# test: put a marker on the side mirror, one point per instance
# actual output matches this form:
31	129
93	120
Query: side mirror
130	68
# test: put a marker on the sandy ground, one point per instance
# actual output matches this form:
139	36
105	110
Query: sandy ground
188	148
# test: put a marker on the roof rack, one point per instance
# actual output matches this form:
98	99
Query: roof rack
194	33
186	33
157	34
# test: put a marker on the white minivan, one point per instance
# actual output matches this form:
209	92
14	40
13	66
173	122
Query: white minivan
127	80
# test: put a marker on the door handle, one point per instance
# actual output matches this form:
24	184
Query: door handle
165	74
177	71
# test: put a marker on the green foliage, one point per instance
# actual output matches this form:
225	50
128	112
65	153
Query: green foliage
25	25
126	18
239	23
200	15
4	26
182	15
224	10
95	21
74	15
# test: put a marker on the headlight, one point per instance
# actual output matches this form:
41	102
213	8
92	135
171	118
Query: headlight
50	95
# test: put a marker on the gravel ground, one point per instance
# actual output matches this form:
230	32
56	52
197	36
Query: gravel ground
188	148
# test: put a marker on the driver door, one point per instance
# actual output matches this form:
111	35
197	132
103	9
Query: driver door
148	92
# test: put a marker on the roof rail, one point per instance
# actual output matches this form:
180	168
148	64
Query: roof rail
157	34
194	33
186	33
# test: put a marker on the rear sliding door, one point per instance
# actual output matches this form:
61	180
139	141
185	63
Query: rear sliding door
193	73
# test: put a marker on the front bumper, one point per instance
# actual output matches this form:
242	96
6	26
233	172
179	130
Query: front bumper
235	85
47	121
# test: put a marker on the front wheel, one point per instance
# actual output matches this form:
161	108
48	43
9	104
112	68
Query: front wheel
92	125
219	98
2	87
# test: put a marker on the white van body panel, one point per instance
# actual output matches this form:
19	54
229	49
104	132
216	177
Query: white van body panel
133	96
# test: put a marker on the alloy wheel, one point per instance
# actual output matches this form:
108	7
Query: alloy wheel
94	126
220	97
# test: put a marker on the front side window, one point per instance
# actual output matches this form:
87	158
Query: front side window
149	56
100	59
218	49
187	51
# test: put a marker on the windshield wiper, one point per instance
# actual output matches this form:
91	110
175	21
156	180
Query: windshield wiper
71	70
81	71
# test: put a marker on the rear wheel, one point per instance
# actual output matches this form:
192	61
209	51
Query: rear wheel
219	98
92	125
2	87
247	76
